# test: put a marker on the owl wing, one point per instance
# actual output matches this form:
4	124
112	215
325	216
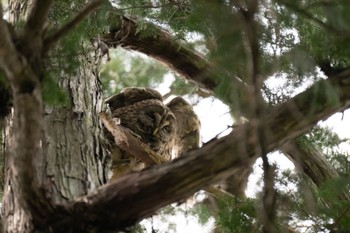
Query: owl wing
188	126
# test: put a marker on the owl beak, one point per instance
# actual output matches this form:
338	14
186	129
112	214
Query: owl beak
155	131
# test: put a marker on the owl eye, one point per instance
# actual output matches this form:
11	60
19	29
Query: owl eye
167	128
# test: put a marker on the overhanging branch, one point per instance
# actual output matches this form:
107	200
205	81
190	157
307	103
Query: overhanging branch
37	16
160	45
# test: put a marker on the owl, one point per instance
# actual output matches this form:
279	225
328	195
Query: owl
131	95
141	110
187	136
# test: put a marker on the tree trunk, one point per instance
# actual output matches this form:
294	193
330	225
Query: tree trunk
72	161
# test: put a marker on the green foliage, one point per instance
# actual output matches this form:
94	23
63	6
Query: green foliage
202	212
327	41
236	215
184	87
125	70
52	94
67	54
328	142
330	192
318	137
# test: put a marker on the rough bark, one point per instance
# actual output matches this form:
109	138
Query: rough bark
54	154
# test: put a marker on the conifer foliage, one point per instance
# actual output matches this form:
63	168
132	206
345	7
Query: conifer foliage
281	66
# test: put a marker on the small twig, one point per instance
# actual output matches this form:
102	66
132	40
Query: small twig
68	27
218	193
149	6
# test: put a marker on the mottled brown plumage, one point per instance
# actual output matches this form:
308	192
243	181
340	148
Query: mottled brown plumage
151	120
142	111
187	135
131	95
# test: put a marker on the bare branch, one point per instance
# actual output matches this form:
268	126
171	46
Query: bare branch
68	27
27	120
138	195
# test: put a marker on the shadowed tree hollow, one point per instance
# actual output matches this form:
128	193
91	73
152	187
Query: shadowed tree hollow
57	131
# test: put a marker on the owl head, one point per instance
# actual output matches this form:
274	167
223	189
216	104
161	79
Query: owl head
143	112
132	95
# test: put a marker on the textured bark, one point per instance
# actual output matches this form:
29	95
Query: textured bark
54	154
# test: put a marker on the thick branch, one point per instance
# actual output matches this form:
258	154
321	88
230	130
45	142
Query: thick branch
160	45
34	25
138	195
27	123
9	60
319	171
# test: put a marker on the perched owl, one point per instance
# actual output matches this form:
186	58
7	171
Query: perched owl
142	111
151	120
187	128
